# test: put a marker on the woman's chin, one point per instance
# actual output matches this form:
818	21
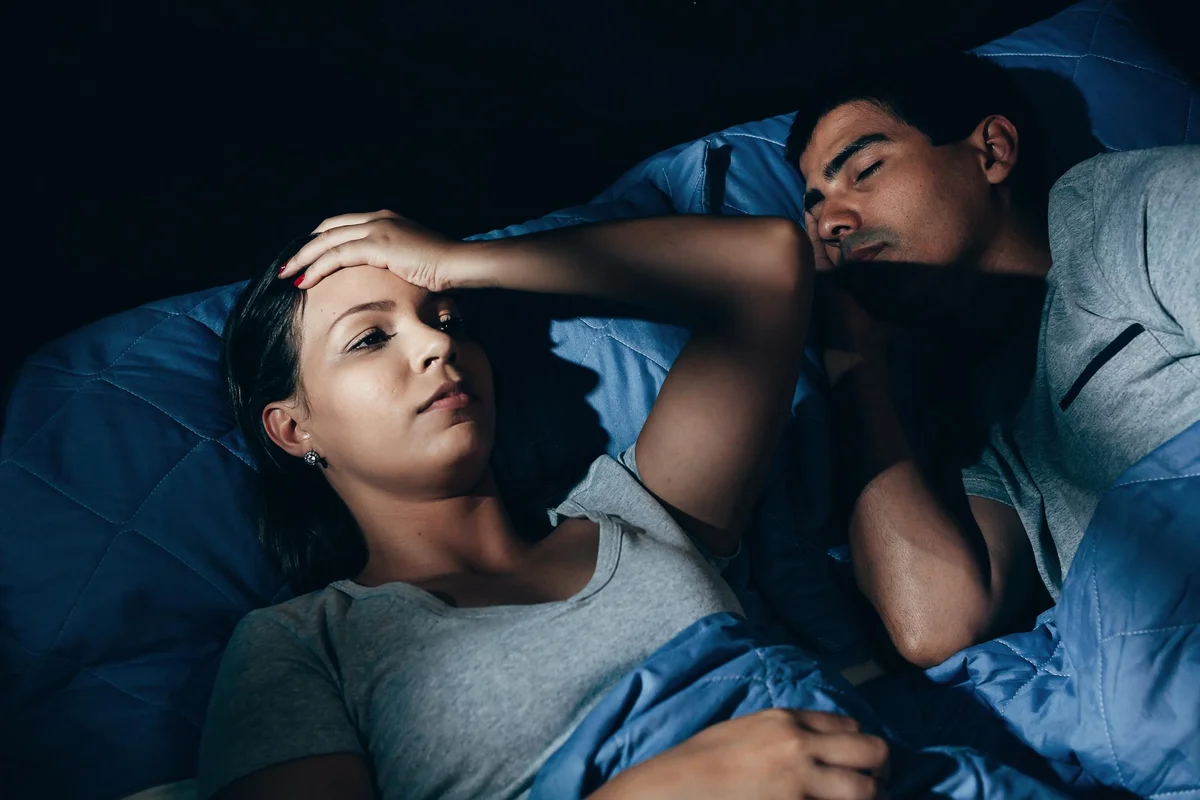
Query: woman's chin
465	450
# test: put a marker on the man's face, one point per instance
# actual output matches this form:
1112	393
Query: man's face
878	189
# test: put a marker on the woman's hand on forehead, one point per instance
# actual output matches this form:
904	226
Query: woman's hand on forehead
382	239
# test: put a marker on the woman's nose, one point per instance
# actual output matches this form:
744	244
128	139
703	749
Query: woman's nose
432	346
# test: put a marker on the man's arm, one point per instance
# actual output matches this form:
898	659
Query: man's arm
934	589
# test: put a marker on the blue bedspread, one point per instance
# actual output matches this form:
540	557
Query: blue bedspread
1108	685
721	668
1102	696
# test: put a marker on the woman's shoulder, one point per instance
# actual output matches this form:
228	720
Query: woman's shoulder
611	486
613	490
295	622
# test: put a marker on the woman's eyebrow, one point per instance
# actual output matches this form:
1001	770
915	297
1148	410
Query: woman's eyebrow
374	305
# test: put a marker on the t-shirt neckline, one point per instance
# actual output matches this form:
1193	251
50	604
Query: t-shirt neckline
607	555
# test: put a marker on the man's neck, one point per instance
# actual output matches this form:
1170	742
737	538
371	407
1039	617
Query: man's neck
1016	250
1001	293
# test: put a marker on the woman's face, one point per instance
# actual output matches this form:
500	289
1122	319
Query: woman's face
397	395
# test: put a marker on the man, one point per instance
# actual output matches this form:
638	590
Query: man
923	182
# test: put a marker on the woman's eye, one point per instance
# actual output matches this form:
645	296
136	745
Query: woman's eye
454	325
375	338
869	171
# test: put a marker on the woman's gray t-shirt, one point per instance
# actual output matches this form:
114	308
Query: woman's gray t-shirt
458	702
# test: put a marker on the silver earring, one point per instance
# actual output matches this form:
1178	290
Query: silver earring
313	458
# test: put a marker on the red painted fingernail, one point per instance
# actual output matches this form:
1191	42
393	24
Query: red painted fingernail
282	270
299	280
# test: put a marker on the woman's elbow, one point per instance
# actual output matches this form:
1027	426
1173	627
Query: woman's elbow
794	255
786	265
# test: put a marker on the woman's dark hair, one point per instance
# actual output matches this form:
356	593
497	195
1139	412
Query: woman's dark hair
308	532
945	95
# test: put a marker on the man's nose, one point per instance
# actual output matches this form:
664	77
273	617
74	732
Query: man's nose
838	222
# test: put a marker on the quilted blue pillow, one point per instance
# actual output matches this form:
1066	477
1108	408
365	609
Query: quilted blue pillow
129	551
1095	82
128	548
1132	96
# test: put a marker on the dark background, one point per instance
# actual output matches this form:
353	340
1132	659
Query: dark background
170	147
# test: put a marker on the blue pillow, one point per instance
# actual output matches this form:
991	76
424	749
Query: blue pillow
1128	96
128	546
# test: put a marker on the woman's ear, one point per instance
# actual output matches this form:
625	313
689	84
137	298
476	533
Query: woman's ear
997	143
282	424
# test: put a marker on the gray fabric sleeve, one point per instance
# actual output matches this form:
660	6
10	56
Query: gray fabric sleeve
628	459
274	701
1145	222
982	480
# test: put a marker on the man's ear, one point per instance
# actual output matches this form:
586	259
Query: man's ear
282	423
997	144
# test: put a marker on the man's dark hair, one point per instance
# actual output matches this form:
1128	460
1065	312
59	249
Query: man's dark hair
943	94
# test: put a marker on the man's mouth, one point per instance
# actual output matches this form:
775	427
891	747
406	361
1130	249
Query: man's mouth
863	253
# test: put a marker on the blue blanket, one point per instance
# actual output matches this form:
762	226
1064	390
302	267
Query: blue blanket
721	668
1103	695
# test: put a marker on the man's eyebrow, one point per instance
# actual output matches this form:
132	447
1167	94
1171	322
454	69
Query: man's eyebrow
849	151
374	305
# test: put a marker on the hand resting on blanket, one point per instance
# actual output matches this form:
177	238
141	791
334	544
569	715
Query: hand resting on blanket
779	754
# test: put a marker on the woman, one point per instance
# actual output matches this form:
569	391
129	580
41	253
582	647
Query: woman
440	652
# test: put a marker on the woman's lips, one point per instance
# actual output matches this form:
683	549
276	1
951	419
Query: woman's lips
451	394
455	399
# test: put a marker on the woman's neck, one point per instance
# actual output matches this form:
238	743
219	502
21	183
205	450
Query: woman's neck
419	541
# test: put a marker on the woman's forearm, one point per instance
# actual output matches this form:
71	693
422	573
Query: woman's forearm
687	264
641	781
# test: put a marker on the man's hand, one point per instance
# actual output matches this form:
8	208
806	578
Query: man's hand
821	260
779	754
847	333
845	324
849	336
